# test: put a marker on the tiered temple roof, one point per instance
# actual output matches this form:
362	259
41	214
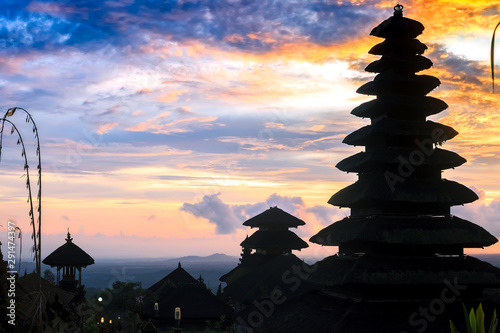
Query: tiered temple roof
69	258
400	242
69	254
274	218
260	274
272	239
177	277
401	265
401	201
273	236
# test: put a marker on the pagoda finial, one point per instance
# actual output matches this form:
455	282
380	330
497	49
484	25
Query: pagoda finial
68	238
398	10
179	266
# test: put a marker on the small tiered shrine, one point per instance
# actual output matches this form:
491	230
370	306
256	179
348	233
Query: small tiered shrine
401	249
273	236
69	258
268	270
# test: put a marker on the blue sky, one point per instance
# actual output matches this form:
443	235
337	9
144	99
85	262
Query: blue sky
171	122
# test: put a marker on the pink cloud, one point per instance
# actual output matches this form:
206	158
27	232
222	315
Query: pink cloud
172	96
105	128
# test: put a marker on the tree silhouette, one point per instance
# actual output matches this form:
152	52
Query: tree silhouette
219	290
49	276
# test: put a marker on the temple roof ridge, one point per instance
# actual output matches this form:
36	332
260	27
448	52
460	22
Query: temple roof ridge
69	254
273	216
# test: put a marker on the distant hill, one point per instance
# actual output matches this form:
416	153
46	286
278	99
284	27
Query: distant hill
213	258
148	271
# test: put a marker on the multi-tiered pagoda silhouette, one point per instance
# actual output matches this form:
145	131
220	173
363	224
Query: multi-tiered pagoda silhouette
264	252
273	236
268	269
401	265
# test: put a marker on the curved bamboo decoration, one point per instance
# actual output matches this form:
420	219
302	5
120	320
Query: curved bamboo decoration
37	232
492	58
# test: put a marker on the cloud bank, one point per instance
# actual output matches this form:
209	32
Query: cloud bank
229	217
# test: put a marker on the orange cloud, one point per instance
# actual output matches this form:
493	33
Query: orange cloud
317	128
445	18
172	96
157	125
262	36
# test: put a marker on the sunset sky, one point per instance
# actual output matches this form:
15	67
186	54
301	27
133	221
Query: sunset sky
164	125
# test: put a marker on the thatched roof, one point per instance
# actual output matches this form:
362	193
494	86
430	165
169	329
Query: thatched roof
411	190
247	265
404	271
400	84
177	277
398	27
274	239
401	46
274	217
27	288
236	273
367	161
411	64
69	254
399	128
400	106
180	289
277	272
405	230
195	301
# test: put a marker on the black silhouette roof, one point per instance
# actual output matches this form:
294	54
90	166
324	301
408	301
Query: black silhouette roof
262	274
177	277
271	239
180	289
69	254
274	217
195	301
